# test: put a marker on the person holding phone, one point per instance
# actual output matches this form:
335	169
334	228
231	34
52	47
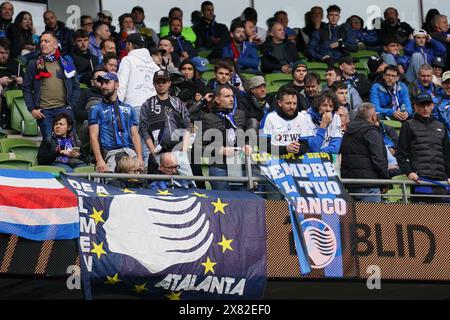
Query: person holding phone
63	150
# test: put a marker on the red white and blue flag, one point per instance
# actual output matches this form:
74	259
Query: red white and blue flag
35	206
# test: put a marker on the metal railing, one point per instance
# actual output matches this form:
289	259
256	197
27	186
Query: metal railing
250	179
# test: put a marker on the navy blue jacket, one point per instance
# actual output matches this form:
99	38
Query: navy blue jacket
32	88
319	44
248	58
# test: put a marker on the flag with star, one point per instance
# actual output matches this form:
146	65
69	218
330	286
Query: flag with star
170	244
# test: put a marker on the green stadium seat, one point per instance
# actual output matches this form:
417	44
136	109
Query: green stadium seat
6	144
396	191
393	123
86	169
3	134
208	75
204	53
16	163
10	95
83	86
273	88
50	169
22	120
312	66
25	152
363	54
278	78
210	66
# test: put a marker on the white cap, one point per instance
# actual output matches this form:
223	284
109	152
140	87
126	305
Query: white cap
420	32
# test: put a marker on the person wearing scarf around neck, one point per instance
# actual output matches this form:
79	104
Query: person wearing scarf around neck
391	97
51	85
321	125
63	148
220	139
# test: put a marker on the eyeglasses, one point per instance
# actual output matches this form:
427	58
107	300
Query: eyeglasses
171	167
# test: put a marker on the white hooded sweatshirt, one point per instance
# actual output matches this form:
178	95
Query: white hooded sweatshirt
136	77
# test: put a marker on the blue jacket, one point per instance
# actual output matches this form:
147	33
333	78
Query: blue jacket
319	44
95	49
380	97
32	88
432	49
368	37
248	58
441	110
316	142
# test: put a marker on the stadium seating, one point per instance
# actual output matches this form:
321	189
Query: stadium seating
278	78
86	169
396	190
204	53
313	66
25	152
22	120
50	169
6	144
16	163
10	95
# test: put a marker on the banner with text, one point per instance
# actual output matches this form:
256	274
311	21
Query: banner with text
318	205
170	244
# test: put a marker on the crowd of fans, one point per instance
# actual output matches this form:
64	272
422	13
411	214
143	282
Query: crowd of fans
144	106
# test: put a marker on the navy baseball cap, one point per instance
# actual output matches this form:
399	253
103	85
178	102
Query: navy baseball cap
107	76
423	98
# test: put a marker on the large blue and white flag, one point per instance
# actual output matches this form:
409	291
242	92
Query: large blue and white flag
171	244
35	206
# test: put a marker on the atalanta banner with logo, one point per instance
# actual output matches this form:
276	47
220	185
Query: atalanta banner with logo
170	244
318	206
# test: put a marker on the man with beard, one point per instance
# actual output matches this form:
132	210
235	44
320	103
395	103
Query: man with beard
354	79
243	53
392	26
282	127
256	104
83	60
424	82
424	150
113	127
64	34
183	48
187	32
224	153
6	16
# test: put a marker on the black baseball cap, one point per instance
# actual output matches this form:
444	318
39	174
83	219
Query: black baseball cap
423	98
136	38
161	74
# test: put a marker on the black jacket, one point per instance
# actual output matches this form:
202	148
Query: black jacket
424	148
253	110
48	152
363	152
362	84
19	39
204	31
210	120
88	99
401	30
85	64
65	36
269	63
